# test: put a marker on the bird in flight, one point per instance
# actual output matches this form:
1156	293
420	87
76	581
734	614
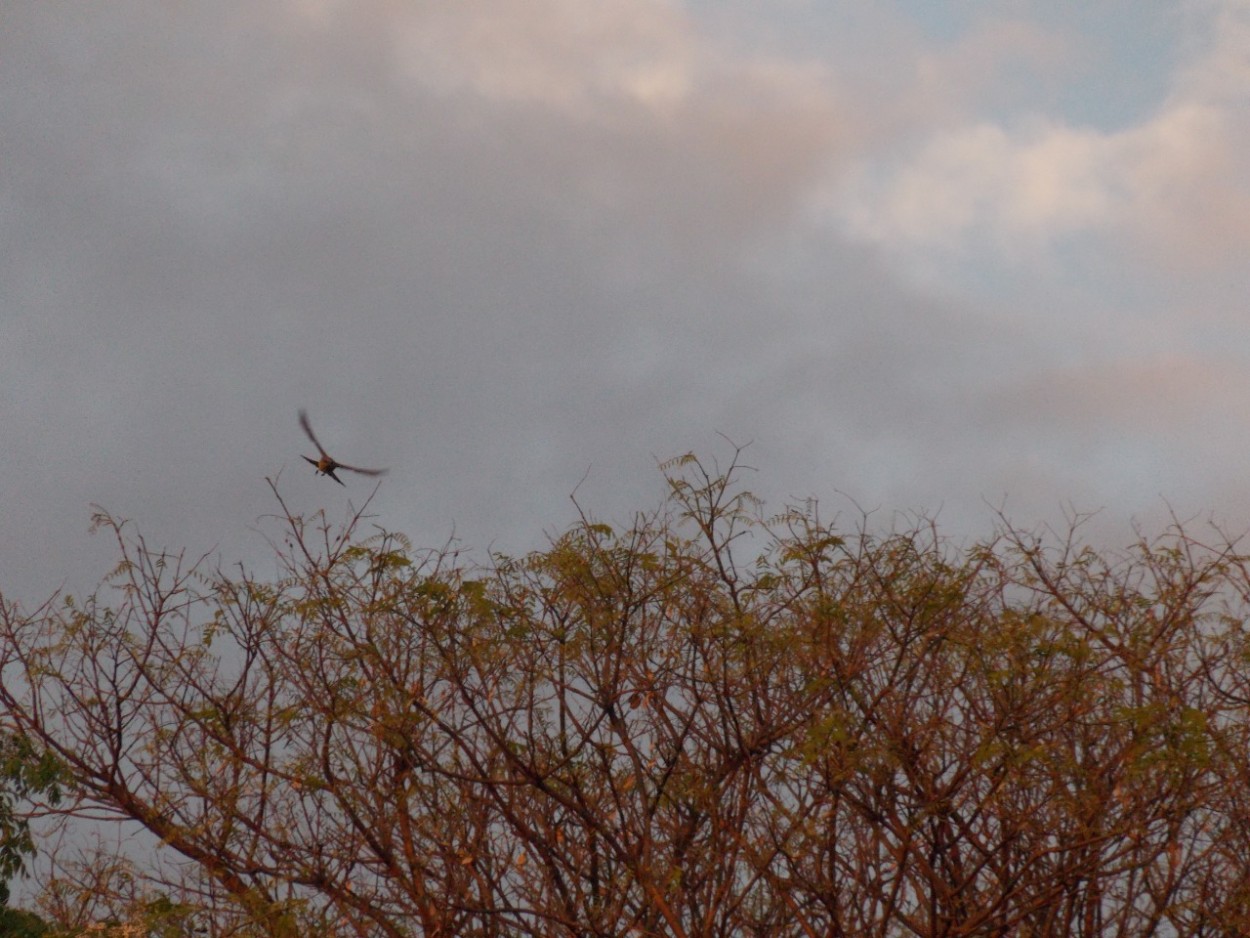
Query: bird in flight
326	464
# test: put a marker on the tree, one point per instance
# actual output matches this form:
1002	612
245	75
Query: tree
24	773
15	923
704	723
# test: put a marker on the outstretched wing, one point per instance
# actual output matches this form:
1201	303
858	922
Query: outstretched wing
303	422
363	472
333	463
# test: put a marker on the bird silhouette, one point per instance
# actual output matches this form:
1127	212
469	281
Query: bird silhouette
327	464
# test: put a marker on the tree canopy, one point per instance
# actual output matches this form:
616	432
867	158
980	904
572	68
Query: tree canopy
706	722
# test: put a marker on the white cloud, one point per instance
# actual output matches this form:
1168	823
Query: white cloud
984	181
1172	184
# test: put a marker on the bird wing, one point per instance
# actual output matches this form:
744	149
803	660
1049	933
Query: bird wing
303	422
363	472
334	463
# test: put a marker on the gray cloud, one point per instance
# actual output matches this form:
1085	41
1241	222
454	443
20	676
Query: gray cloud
215	217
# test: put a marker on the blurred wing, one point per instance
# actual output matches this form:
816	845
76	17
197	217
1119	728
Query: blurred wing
363	472
303	422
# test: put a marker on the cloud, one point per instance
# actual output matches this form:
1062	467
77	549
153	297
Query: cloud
493	244
1110	401
984	184
557	53
1171	184
486	244
646	101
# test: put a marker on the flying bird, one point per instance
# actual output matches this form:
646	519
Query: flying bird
327	464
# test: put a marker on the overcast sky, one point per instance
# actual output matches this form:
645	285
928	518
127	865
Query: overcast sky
926	257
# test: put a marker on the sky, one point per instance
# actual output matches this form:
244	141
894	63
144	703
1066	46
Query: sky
926	259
